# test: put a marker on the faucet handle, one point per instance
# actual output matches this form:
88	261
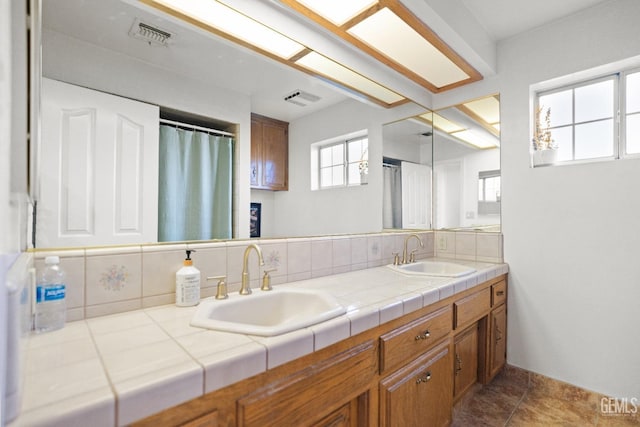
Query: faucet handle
221	292
396	258
412	256
266	280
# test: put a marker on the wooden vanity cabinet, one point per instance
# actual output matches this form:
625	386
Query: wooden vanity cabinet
269	153
419	394
407	372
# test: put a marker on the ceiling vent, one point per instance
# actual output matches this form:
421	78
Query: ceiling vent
301	98
150	34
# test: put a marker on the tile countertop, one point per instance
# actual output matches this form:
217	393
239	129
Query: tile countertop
151	359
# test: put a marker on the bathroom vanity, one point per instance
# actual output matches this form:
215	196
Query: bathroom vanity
405	372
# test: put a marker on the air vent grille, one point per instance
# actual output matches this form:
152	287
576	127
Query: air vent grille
301	98
150	34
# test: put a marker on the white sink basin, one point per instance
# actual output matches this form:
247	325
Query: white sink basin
267	313
434	268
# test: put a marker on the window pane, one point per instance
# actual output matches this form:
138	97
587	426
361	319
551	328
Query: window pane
355	150
594	140
633	134
337	175
560	104
325	177
337	154
325	157
481	189
633	93
492	189
563	138
594	101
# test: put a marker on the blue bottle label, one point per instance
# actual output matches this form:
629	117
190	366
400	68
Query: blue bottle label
49	293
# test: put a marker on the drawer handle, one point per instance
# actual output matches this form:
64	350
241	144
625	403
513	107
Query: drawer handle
424	336
498	334
458	364
424	378
500	293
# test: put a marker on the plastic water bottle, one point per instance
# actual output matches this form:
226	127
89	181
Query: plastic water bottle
50	292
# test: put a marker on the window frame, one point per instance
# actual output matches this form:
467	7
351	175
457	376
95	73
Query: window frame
622	113
619	90
346	162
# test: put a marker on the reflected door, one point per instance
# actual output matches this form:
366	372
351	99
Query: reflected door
98	181
416	195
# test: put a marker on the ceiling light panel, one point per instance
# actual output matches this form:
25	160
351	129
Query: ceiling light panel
392	34
475	139
404	45
445	125
328	68
338	11
235	24
487	108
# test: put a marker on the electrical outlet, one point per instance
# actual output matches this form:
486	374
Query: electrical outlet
442	243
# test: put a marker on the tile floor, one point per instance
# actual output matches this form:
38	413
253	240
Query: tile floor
519	398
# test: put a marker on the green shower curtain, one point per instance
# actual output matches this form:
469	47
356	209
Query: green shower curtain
195	185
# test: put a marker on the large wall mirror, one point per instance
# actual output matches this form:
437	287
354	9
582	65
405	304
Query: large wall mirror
449	158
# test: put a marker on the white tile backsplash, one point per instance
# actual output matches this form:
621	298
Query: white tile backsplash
104	281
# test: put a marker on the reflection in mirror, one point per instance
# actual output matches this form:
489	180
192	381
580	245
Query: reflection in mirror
458	148
466	165
407	171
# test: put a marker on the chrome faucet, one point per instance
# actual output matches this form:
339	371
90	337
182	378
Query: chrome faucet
405	256
245	289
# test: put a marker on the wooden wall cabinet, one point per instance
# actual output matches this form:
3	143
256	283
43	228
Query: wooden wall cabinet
269	153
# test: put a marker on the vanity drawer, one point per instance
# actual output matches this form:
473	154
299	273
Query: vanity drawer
498	293
407	342
471	308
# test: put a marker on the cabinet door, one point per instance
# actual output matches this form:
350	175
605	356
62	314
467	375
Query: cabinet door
269	153
465	360
498	337
275	156
99	184
419	394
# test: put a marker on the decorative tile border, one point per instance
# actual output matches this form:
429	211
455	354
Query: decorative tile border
111	280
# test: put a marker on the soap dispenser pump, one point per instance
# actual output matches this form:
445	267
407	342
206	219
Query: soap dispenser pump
188	283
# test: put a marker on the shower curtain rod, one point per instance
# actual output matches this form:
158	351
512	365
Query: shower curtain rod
390	165
186	125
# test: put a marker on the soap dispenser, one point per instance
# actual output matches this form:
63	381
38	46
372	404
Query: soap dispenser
188	283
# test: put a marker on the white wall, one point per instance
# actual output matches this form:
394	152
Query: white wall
571	233
73	61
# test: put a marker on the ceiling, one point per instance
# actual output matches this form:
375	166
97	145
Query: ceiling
207	58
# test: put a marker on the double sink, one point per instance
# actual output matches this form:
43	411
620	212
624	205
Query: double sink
285	309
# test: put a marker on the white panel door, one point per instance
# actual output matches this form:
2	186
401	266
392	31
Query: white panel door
98	177
416	195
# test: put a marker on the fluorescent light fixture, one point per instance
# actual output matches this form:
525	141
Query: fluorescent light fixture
386	33
338	11
326	67
474	138
487	108
445	125
223	18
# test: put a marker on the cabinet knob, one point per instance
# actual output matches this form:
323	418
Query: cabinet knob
426	377
458	364
499	293
423	336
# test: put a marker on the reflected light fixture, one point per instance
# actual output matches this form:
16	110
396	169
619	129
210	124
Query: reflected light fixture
469	136
392	34
485	111
222	20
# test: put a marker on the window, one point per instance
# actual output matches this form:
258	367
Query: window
595	119
489	192
343	163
